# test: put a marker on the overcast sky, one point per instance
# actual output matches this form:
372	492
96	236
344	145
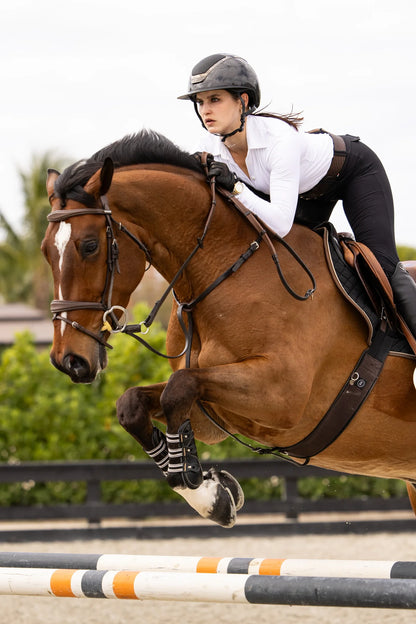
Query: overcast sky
78	74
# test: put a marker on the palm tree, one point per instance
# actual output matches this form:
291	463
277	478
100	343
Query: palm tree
24	275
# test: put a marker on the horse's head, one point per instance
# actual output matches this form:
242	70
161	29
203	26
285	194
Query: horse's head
94	273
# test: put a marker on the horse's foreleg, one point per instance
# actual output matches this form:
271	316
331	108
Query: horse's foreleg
215	494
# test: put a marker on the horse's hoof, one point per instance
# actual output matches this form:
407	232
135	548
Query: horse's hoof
212	500
223	509
228	481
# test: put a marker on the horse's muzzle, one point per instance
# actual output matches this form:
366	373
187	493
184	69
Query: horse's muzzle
76	367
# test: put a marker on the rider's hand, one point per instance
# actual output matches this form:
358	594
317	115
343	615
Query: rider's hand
223	176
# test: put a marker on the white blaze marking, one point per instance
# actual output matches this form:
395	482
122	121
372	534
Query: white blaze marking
62	238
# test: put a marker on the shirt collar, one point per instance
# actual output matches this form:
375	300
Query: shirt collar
256	138
256	132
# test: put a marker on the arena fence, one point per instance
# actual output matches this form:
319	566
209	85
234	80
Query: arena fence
94	473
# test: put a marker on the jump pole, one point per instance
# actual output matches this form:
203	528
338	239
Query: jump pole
214	565
191	587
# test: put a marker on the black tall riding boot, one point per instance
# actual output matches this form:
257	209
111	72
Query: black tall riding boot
404	291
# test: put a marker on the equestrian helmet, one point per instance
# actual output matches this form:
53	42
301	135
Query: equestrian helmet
224	71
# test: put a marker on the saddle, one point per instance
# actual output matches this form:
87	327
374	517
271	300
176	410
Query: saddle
373	295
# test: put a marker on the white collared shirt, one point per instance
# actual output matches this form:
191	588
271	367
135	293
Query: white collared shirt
281	162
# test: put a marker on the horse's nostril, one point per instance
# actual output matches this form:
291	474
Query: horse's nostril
77	368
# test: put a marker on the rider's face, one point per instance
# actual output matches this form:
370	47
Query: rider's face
220	111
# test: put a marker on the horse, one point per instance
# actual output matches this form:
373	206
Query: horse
251	354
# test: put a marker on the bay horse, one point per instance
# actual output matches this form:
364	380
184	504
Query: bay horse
249	355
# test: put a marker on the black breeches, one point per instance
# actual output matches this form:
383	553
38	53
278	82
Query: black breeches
365	191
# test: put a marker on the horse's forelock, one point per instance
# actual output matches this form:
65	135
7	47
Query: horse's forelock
70	184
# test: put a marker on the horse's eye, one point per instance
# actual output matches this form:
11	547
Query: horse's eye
88	247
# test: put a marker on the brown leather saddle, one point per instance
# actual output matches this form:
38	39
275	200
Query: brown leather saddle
372	277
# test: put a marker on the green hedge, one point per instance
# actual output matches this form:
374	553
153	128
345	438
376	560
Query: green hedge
44	416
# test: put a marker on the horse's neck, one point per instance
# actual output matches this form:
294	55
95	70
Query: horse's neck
169	211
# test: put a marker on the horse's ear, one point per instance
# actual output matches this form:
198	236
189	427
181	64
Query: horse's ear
106	175
100	182
50	182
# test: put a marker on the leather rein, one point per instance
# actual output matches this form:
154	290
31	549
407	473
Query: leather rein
113	324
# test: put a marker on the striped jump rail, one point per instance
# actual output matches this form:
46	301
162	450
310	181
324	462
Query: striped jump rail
191	587
214	565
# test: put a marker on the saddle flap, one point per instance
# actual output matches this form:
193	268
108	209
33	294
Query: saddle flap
372	277
376	284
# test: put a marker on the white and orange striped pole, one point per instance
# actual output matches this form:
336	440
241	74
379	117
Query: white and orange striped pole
214	565
207	587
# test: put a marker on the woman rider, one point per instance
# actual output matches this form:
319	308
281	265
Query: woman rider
277	170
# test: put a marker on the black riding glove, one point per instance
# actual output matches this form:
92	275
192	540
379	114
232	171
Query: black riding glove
223	176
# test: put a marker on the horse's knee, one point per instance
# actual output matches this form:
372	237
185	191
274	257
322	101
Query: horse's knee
127	407
178	397
133	415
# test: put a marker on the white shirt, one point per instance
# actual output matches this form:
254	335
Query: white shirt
281	161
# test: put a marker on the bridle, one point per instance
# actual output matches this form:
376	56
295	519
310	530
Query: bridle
113	324
110	321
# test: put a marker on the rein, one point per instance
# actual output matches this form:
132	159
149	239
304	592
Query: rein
187	308
113	324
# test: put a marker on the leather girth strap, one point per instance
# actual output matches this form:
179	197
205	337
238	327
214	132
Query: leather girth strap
353	394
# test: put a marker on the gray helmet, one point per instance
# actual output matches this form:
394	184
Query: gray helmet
224	71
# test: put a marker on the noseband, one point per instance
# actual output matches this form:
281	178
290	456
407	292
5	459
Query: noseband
113	324
110	321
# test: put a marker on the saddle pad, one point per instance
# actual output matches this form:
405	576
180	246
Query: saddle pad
349	284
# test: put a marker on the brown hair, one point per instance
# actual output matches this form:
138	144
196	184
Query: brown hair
293	119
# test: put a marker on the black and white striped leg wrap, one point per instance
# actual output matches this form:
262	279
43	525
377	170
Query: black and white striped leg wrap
184	467
176	453
159	453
